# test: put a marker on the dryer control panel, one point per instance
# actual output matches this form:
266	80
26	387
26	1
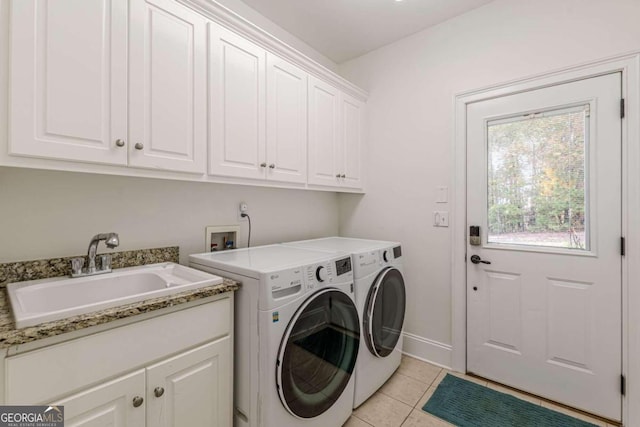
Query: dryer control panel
370	262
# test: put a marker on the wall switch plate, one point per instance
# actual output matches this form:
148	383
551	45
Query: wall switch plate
440	218
442	194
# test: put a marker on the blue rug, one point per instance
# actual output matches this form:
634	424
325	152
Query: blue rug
467	404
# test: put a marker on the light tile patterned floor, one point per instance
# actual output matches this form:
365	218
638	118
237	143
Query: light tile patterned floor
399	402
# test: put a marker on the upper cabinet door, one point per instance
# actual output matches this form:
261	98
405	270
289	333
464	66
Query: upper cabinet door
324	133
69	80
168	76
286	121
237	146
353	113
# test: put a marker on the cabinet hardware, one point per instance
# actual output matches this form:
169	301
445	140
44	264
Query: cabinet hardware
137	401
119	143
272	166
263	165
343	176
158	391
338	175
139	146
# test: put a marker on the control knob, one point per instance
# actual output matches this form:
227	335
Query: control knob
385	256
321	274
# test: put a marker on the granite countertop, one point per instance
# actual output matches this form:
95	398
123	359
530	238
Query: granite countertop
10	336
58	267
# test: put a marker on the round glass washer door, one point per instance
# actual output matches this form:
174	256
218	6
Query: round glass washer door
318	353
384	312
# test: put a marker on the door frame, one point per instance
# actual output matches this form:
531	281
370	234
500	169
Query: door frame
629	66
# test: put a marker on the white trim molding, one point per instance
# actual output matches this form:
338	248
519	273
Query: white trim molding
428	350
629	66
236	23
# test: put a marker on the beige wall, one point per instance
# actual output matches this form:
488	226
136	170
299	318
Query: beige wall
412	84
46	214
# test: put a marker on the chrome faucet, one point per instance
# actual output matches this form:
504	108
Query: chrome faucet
111	240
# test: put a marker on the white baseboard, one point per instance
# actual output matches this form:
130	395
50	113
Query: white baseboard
428	350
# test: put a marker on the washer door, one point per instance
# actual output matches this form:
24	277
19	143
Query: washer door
318	353
384	312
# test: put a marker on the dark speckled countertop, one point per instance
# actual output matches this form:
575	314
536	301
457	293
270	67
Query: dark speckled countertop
31	270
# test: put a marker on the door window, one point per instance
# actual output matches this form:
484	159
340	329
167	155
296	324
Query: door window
537	177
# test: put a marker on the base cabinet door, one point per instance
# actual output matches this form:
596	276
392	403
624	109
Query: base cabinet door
111	404
192	388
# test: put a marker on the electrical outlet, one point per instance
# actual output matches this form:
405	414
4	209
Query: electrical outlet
243	208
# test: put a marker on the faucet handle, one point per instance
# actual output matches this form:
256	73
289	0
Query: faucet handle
105	262
76	266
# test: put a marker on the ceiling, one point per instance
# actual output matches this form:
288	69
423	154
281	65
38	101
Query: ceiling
345	29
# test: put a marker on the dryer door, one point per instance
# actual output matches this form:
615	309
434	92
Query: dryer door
384	312
318	353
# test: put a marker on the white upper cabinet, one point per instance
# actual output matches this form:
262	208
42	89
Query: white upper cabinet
324	133
353	113
68	85
286	121
168	87
237	105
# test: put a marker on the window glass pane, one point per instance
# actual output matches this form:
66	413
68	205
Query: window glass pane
536	179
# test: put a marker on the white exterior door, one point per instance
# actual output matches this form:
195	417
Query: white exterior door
69	80
192	389
286	121
168	126
544	296
109	404
237	105
324	133
352	138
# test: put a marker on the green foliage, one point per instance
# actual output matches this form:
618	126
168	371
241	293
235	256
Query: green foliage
536	175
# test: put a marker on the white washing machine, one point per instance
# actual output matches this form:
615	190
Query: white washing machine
381	302
296	334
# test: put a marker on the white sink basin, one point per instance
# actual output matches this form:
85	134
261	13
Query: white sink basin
39	301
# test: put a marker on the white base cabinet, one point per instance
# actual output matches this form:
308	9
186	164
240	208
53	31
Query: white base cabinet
172	370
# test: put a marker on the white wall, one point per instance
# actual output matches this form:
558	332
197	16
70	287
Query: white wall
47	214
412	84
253	16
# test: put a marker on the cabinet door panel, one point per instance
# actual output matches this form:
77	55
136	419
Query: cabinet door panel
69	79
352	139
324	134
286	121
107	405
237	105
168	87
196	386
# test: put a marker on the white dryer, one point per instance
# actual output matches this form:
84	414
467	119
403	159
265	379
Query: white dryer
381	301
296	337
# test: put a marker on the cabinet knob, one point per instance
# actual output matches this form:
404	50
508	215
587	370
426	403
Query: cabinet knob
272	166
137	401
158	391
139	146
119	143
338	175
343	176
263	165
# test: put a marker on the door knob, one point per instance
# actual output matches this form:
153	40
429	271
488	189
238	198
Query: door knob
477	260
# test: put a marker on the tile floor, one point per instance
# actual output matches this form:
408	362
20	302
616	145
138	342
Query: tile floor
399	402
